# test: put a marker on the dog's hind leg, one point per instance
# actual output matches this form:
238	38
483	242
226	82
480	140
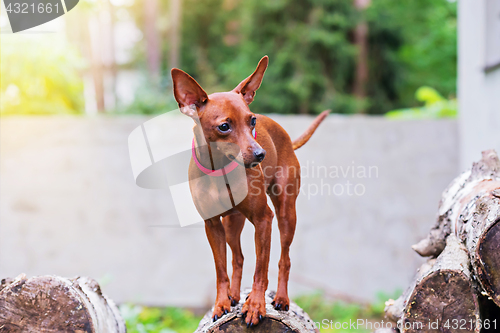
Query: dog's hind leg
233	225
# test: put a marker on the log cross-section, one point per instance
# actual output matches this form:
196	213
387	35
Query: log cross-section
53	304
442	294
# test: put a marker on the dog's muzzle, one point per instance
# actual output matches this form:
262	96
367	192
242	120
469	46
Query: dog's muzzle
259	154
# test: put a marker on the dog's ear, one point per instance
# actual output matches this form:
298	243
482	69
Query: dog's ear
249	86
187	92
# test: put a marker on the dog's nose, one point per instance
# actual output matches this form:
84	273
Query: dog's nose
259	154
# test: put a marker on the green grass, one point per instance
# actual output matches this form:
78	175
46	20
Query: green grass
141	319
330	314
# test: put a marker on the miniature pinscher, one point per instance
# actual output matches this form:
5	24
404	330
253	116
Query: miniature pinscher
266	152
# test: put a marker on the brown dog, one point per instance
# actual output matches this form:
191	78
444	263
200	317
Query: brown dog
271	167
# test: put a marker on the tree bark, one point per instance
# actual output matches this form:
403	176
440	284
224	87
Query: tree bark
394	308
361	42
479	229
387	330
294	320
108	18
55	304
462	285
93	41
442	292
153	45
491	312
175	32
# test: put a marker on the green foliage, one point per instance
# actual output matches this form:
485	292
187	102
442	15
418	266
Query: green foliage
312	53
376	309
435	106
158	320
427	55
39	78
150	100
311	56
168	320
318	308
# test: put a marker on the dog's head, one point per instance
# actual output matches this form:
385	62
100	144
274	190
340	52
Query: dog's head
224	118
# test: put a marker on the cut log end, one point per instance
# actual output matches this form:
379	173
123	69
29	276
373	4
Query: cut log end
55	304
443	296
490	313
441	293
488	253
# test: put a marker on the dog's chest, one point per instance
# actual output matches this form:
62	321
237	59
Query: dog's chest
214	196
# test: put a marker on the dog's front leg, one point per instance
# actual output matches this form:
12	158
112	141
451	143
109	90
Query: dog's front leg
217	239
255	306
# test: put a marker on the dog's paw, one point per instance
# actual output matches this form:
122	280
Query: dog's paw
235	299
221	309
281	303
254	310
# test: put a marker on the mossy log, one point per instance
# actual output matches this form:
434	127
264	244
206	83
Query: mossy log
295	320
55	304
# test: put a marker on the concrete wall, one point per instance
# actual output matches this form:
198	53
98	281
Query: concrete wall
69	206
478	88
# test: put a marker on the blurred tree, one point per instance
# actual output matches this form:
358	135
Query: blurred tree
110	59
91	30
42	79
423	39
175	22
361	42
153	47
435	106
93	52
308	42
331	54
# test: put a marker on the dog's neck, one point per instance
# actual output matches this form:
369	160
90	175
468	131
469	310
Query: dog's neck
209	158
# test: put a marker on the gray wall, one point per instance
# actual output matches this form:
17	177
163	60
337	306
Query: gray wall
69	206
478	88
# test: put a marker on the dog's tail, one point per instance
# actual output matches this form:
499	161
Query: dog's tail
301	140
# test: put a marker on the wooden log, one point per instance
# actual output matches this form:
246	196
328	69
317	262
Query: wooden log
479	228
443	293
387	330
55	304
470	209
294	320
490	315
394	308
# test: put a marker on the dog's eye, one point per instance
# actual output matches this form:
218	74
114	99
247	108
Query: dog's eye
253	121
223	127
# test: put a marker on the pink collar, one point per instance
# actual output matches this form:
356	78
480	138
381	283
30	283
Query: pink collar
219	172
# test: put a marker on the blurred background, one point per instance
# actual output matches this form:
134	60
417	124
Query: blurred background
353	57
414	89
